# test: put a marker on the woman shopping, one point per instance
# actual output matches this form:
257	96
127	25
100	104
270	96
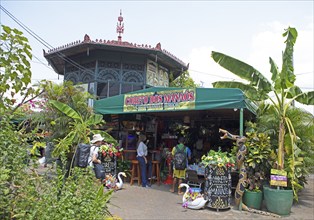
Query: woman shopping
142	159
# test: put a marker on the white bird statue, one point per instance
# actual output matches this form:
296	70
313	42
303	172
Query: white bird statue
197	203
119	184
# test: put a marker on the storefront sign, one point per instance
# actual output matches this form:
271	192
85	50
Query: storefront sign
279	179
181	99
218	187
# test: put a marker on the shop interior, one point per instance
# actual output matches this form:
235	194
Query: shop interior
162	129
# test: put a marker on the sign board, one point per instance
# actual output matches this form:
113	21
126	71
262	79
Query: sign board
110	165
278	172
180	99
218	187
278	178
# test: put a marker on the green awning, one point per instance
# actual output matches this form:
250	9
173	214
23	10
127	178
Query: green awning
157	99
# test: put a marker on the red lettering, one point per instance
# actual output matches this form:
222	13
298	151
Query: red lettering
191	96
167	98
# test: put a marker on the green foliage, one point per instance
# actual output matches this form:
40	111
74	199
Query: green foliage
79	196
14	54
51	119
124	166
258	158
183	81
79	128
15	76
13	163
303	123
259	88
218	158
24	193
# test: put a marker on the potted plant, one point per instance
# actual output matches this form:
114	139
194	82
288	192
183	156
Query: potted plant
282	93
217	189
108	153
218	158
110	149
258	163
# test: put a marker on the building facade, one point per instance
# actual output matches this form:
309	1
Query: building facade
112	67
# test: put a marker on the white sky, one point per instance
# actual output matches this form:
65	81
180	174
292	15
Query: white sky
247	30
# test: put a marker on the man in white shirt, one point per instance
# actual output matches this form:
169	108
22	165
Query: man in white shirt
93	155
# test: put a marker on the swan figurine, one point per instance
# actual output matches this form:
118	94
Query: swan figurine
197	203
119	184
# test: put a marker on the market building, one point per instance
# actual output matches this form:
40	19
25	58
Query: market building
113	67
131	83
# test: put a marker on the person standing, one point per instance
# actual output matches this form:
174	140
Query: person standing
142	159
199	148
93	155
181	154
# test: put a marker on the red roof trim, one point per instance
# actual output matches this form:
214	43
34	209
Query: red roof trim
118	44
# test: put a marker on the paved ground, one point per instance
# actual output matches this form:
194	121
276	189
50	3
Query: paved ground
134	202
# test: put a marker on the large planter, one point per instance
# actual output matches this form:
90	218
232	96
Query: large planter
253	199
218	187
278	201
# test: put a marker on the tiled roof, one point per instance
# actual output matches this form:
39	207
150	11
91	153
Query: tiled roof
116	44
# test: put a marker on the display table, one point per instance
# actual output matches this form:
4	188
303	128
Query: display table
200	169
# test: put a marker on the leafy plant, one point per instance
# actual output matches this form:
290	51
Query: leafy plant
258	159
24	192
110	149
79	127
303	123
16	76
282	86
124	166
217	158
183	81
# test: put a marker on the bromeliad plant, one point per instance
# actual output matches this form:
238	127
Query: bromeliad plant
217	158
281	92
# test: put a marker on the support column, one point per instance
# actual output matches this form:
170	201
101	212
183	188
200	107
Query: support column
95	78
241	122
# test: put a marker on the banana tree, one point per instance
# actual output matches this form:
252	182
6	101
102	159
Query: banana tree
259	88
79	127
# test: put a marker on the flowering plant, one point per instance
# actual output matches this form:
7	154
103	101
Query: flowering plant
110	149
190	196
218	158
110	181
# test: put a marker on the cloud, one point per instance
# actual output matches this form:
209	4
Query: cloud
206	71
264	44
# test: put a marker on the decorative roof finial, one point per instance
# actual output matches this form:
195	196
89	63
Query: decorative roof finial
120	27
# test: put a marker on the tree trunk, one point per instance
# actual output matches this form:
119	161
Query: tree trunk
281	144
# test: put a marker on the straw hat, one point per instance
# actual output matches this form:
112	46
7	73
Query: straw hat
97	137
